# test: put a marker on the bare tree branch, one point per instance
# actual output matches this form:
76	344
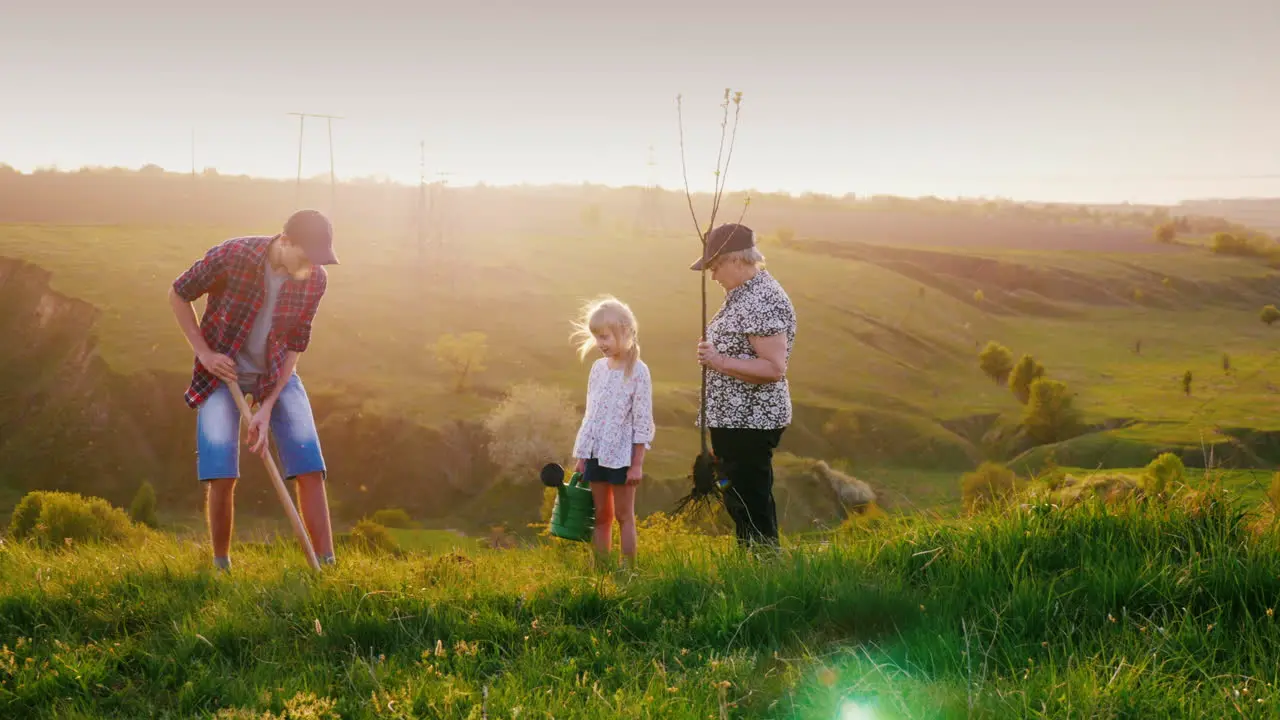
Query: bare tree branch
685	170
737	111
719	181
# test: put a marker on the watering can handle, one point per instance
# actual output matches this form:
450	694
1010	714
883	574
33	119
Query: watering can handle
576	480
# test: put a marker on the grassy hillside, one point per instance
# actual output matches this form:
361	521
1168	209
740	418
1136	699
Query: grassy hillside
881	329
895	299
1096	611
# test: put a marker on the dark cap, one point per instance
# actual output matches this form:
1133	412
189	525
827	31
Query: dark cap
313	232
730	237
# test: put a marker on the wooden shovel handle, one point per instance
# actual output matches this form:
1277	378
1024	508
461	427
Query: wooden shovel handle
281	491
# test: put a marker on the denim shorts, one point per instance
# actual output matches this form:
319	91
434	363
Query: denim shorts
594	473
293	431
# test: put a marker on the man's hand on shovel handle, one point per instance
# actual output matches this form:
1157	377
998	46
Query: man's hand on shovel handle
220	365
258	429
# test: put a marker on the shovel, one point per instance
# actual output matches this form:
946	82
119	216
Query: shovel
281	491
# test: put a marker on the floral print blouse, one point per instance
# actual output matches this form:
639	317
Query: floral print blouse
757	307
619	415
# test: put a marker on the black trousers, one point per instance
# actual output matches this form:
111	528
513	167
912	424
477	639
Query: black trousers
746	458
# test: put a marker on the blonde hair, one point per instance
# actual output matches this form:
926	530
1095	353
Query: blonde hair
609	313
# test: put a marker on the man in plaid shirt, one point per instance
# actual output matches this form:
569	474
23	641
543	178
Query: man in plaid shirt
263	292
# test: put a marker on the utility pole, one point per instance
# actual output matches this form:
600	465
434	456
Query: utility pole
437	213
649	217
333	183
422	203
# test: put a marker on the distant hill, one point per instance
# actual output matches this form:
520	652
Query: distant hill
1262	213
152	196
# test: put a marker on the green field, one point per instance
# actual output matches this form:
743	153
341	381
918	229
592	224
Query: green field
1145	605
1145	610
878	333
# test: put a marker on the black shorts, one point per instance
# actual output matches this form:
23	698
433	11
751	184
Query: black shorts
594	473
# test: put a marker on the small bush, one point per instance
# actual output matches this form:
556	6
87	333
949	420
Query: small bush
990	484
1050	415
1224	243
535	424
693	530
1164	471
371	537
1269	314
52	519
996	362
1027	371
143	508
1109	487
393	518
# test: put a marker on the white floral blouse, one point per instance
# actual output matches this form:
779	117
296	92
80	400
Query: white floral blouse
757	307
619	415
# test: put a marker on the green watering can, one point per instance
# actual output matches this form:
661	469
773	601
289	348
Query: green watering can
574	514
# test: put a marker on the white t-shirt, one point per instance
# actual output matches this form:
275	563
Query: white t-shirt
619	415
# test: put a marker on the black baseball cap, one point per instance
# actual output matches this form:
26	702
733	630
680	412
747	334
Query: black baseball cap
313	232
730	237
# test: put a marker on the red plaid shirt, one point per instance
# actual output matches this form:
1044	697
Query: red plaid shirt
233	274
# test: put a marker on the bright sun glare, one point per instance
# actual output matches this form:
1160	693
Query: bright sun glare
850	710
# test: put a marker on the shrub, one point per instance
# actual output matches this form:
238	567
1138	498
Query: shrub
1109	487
51	519
1024	373
535	424
996	362
1269	314
1224	243
991	483
371	537
1186	382
1050	416
1166	232
143	508
683	533
393	518
1165	470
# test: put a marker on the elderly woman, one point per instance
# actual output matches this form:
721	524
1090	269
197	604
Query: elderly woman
748	403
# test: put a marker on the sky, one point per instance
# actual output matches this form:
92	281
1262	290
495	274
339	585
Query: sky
1082	101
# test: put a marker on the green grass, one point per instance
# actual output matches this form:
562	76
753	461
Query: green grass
1091	612
432	541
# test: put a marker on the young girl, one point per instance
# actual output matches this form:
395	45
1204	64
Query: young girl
617	427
